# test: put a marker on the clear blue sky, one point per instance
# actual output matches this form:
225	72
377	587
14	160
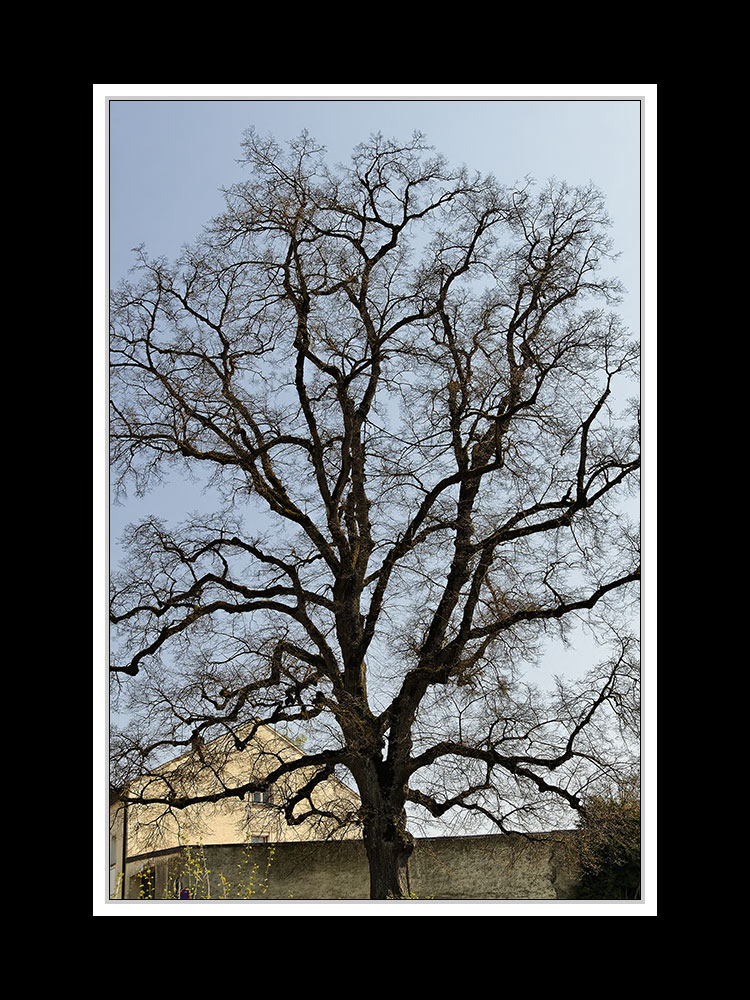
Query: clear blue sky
168	159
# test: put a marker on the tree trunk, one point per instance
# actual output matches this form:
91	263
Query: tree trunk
387	842
388	858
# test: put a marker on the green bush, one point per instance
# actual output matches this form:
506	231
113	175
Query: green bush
609	846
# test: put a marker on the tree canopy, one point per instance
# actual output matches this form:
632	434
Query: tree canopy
412	389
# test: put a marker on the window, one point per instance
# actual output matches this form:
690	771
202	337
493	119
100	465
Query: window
258	840
260	797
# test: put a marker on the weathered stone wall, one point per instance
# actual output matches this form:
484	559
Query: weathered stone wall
492	867
485	867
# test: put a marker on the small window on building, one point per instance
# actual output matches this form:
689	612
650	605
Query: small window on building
260	797
259	840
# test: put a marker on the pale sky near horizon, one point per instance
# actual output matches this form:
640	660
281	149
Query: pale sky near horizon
168	159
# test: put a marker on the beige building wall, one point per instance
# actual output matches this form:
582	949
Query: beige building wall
145	832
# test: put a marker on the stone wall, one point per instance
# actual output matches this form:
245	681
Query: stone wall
492	867
483	867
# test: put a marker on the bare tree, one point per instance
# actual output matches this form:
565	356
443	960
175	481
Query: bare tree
405	380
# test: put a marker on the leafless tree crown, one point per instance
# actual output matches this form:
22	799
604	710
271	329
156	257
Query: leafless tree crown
411	389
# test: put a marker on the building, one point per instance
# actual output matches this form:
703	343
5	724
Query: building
153	846
244	848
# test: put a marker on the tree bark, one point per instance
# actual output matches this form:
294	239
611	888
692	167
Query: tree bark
387	841
389	848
